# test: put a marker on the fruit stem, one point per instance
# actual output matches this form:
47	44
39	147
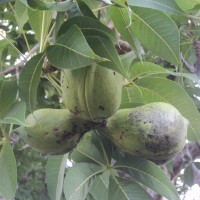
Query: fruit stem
54	83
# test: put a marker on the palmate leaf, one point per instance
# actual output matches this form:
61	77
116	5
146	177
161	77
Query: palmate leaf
57	6
85	10
79	179
40	23
186	4
21	13
16	115
104	145
89	197
134	96
168	6
29	80
8	172
197	165
127	60
55	169
88	26
170	92
83	153
141	69
148	174
122	3
127	190
152	29
8	92
101	150
72	51
121	20
189	175
93	5
104	47
99	188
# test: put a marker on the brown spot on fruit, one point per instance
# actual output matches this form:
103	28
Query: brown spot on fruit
101	108
156	131
58	142
121	136
75	111
92	89
54	130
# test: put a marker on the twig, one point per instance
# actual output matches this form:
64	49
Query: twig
20	64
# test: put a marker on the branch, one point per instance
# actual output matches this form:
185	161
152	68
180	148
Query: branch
21	64
191	68
192	151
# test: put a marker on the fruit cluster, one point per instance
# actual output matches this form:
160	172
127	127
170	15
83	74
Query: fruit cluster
92	95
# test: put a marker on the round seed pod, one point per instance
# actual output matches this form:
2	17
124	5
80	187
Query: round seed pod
53	131
156	131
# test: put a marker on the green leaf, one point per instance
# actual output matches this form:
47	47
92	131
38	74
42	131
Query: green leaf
88	26
104	145
133	96
152	29
197	165
148	174
83	153
168	6
93	5
186	4
189	175
89	197
127	60
122	3
99	189
79	179
21	13
170	92
72	51
85	10
8	172
24	2
127	190
121	20
57	6
104	47
60	18
40	23
141	69
8	92
29	80
5	43
16	115
55	169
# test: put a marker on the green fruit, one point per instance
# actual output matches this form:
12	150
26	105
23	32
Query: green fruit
92	92
156	131
53	131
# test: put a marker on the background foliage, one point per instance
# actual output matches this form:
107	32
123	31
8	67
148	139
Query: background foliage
153	44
